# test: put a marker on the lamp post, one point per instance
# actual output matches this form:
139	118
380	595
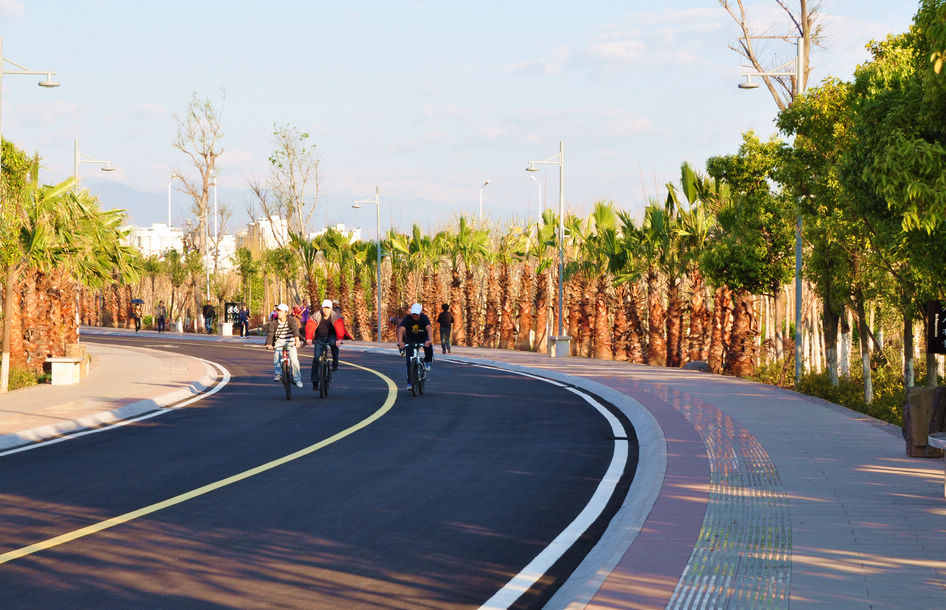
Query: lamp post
538	184
558	160
78	158
482	188
11	269
207	234
375	201
799	88
170	182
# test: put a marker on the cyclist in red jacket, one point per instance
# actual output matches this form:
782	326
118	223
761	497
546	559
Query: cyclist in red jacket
326	327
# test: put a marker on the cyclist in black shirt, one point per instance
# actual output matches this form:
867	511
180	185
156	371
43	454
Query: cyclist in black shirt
415	328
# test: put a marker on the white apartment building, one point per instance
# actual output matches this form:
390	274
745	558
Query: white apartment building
156	239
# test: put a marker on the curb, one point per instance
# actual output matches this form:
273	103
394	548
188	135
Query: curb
107	417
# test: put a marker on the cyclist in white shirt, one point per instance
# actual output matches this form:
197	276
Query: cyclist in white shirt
284	330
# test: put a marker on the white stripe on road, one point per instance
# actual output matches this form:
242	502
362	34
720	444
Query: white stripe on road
529	575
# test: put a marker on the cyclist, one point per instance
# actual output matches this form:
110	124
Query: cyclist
284	330
415	328
327	328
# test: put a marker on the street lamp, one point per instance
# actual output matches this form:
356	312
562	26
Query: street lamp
78	158
11	278
558	160
481	198
375	201
799	89
48	83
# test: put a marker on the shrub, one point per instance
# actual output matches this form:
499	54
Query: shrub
21	378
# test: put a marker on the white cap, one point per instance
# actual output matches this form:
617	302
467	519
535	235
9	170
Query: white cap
282	307
416	308
327	303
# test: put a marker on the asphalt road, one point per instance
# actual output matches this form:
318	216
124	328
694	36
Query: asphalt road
435	503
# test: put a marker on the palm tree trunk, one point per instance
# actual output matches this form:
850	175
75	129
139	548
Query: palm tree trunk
635	328
602	327
541	313
587	319
620	331
526	297
473	308
493	307
507	327
456	306
717	348
674	323
739	356
698	316
9	300
656	344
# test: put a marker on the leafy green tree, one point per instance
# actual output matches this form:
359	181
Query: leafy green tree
894	167
752	249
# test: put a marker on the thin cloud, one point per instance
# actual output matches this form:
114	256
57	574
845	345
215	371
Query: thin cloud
552	65
11	8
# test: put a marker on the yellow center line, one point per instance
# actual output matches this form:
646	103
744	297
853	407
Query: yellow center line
190	495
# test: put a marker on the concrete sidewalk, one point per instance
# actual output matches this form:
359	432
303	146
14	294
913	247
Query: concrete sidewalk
124	382
745	495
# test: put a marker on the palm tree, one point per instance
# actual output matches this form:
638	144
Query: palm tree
397	247
599	249
470	246
307	253
694	228
51	228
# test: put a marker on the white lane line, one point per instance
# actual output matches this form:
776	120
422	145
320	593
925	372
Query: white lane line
524	580
224	380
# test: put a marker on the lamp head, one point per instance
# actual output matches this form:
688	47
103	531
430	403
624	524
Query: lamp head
532	168
356	205
108	167
748	84
49	82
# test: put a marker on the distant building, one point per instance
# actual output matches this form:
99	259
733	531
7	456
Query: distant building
263	234
155	240
353	235
226	250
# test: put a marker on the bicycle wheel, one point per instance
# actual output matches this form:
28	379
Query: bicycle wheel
421	378
415	377
287	378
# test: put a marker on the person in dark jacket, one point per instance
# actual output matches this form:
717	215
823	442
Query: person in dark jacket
445	322
209	314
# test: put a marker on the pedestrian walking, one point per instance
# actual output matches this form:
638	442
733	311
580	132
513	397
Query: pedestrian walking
445	322
209	314
161	313
243	320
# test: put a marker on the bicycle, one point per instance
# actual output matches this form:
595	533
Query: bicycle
286	372
325	370
418	373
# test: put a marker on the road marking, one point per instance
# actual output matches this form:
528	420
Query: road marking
224	380
524	580
190	495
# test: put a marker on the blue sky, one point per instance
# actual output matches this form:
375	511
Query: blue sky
425	99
